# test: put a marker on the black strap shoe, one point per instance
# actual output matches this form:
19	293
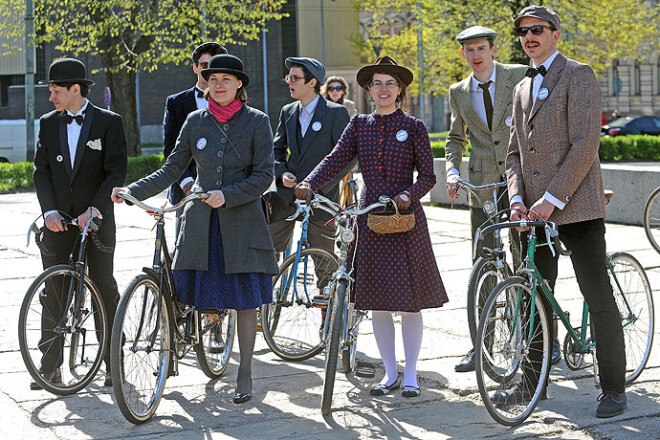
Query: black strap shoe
381	389
411	391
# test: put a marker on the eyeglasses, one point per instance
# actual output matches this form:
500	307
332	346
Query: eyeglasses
537	29
386	85
292	78
203	64
335	88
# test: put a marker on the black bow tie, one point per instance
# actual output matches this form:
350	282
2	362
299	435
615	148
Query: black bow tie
200	93
532	72
69	119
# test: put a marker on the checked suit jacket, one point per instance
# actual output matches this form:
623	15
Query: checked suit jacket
177	109
554	142
489	147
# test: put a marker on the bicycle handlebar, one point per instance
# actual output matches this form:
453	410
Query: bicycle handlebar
334	209
468	185
551	234
162	210
93	225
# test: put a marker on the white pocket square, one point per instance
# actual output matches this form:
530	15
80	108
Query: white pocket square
95	144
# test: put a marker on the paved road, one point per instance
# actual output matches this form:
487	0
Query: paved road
287	395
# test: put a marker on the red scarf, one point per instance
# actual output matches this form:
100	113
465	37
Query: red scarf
223	114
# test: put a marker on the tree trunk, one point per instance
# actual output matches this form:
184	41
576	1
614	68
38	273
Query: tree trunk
122	87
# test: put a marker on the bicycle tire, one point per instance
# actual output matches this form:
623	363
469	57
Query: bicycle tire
637	312
494	352
58	281
216	341
291	325
332	345
484	276
139	370
652	219
349	350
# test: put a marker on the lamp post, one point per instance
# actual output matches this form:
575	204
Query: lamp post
420	59
29	79
377	44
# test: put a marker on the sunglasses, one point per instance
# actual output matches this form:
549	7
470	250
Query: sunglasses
203	65
292	78
335	88
537	29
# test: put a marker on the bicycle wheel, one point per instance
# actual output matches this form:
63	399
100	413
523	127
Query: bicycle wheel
652	219
349	349
506	353
484	276
140	349
292	322
216	334
634	299
332	345
57	324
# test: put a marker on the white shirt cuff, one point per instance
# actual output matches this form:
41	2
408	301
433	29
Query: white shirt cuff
185	182
453	171
554	200
516	199
47	213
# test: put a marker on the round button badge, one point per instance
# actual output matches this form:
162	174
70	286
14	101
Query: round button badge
201	143
316	126
401	135
508	121
59	158
543	93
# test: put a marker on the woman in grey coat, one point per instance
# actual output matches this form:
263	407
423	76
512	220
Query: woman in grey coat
224	257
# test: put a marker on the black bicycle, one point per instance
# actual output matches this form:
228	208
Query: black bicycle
63	321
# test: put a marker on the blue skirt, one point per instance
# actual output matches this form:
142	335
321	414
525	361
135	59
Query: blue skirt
215	289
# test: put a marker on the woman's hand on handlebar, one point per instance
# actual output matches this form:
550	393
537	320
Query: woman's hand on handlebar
115	193
402	200
215	199
304	192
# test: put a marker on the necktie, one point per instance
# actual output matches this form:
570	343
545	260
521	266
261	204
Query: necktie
532	72
488	103
69	119
200	93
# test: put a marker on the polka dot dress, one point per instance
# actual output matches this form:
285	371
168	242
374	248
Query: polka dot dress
395	272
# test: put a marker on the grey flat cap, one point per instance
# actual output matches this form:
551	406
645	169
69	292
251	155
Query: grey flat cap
540	12
476	33
314	66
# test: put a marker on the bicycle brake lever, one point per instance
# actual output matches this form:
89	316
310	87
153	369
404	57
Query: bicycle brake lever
548	239
33	228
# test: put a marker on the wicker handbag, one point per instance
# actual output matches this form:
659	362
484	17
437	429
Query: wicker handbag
388	222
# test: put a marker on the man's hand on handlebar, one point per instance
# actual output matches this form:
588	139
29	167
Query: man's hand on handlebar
115	193
452	186
304	192
55	222
518	213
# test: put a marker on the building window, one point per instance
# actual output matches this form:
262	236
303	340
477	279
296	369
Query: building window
657	76
616	79
6	81
637	79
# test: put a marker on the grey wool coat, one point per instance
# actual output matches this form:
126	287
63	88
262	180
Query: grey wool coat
246	241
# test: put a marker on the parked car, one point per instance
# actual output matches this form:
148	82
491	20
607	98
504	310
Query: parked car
632	125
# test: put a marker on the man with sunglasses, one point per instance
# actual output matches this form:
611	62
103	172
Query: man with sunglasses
308	130
481	113
554	174
177	108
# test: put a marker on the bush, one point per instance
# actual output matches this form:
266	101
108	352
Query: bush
630	147
16	175
139	167
438	149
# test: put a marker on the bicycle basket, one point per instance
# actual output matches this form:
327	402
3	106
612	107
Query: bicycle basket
391	222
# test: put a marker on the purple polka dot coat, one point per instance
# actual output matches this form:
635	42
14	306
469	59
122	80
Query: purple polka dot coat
395	272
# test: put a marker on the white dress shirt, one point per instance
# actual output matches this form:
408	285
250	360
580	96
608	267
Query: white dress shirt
73	132
306	113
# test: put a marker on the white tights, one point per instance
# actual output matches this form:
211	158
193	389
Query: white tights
412	329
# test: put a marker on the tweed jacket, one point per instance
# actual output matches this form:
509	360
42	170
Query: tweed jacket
489	147
554	142
246	241
315	145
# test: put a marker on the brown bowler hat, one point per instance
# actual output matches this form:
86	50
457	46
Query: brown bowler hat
385	65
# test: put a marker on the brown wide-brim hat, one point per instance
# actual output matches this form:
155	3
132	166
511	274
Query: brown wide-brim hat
225	63
67	70
384	65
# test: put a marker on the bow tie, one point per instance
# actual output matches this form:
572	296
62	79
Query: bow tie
532	72
200	93
69	119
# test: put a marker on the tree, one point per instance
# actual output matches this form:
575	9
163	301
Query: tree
593	31
138	35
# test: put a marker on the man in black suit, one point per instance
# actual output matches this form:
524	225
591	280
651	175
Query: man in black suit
309	129
80	157
177	109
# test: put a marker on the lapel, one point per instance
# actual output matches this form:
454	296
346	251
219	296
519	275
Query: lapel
311	134
526	95
189	102
64	145
503	92
465	101
291	124
82	140
549	81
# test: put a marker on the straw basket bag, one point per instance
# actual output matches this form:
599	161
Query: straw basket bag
388	222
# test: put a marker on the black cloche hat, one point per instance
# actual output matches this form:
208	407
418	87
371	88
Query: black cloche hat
225	63
67	70
385	65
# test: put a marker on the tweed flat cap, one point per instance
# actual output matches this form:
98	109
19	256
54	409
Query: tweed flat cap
314	66
476	33
540	12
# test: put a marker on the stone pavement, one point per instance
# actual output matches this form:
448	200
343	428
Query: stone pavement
287	395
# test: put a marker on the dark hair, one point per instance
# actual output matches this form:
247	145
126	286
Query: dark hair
401	98
241	94
209	49
308	77
491	42
84	88
330	80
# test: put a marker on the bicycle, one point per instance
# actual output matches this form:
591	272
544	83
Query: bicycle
652	219
152	330
507	325
63	317
291	322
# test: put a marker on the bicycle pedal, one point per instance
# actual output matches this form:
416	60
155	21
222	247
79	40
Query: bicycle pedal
365	369
320	301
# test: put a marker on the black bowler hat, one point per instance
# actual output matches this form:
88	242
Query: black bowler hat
67	70
210	47
384	65
225	63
